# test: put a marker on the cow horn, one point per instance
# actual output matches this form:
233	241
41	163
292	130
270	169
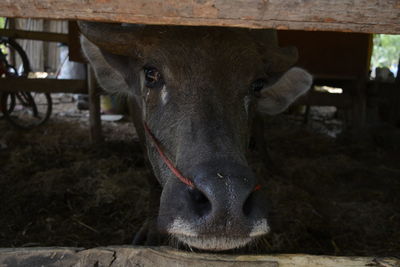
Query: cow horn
114	37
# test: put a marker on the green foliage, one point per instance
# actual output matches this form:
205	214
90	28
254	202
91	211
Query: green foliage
2	22
386	51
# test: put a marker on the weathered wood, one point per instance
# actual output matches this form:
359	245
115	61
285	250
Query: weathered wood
346	15
96	135
34	35
163	256
43	85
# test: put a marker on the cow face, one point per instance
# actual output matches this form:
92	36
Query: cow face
198	90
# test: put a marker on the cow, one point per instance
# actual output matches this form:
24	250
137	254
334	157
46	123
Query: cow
196	92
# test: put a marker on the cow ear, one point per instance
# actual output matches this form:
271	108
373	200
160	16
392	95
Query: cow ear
275	98
111	70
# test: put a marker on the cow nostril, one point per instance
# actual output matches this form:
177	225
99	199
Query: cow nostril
201	204
248	205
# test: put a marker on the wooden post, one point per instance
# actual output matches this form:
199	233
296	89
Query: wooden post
46	47
358	113
74	44
94	108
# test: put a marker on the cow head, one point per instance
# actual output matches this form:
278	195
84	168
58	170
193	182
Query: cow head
197	89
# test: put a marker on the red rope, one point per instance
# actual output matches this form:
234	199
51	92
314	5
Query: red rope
257	187
170	165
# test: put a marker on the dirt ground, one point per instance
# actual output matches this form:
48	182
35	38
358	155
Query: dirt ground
331	196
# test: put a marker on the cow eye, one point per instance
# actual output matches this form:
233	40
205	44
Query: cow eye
257	85
153	78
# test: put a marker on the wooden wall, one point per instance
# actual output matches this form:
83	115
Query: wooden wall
331	53
44	56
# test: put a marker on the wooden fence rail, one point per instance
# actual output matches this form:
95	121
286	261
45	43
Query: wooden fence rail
33	35
43	85
366	16
162	256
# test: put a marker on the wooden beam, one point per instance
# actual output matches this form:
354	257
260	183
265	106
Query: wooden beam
43	85
324	15
34	35
325	99
163	256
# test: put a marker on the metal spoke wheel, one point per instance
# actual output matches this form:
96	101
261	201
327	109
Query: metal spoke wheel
26	110
23	110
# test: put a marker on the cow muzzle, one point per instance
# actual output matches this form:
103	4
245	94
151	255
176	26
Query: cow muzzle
221	211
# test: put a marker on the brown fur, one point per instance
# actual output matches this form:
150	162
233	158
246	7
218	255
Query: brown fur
202	115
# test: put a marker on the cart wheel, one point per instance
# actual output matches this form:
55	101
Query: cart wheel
26	110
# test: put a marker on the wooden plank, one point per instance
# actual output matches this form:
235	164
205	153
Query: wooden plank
43	85
34	35
163	256
327	15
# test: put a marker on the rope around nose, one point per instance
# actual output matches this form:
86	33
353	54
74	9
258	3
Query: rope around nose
170	165
167	161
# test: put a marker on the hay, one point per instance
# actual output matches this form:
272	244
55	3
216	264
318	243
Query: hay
332	198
